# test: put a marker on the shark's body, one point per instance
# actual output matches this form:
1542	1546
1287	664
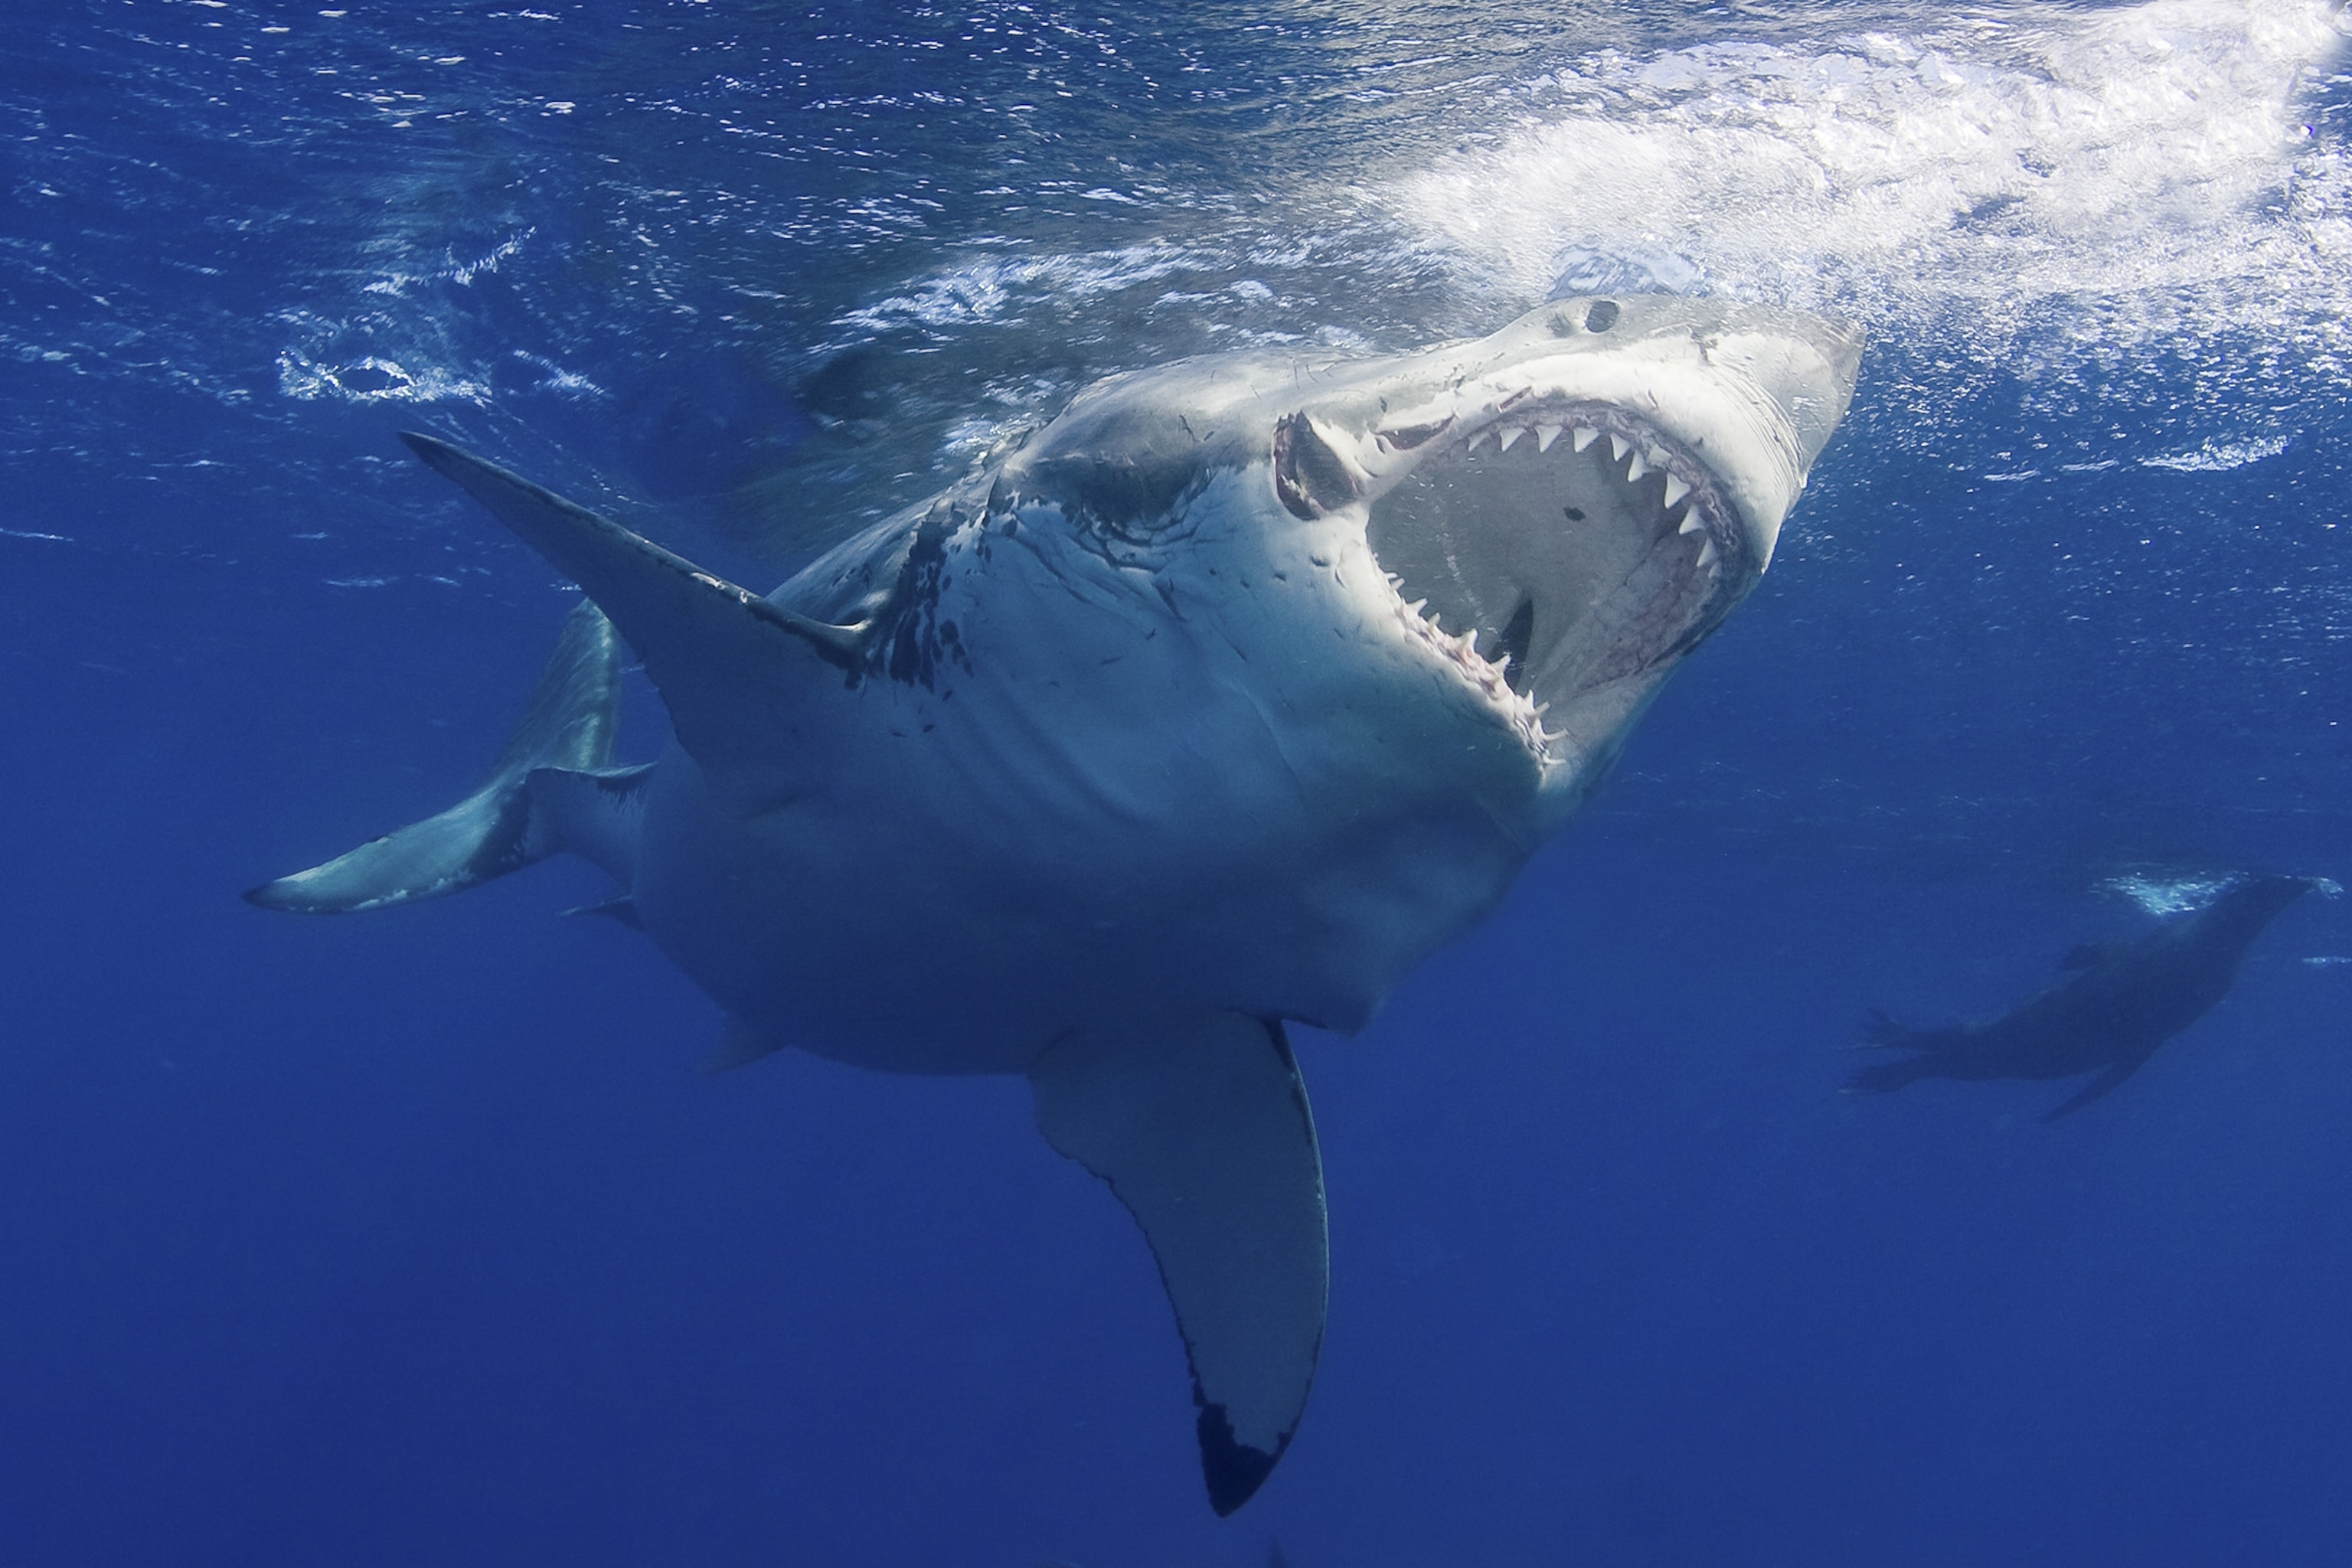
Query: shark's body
1220	702
2117	1005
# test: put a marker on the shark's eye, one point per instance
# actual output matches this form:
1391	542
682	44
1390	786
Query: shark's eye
1601	316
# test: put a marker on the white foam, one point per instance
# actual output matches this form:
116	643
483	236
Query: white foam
372	378
994	289
2058	192
2169	895
2213	455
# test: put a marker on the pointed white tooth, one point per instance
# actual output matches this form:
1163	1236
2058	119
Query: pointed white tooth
1675	490
1619	445
1707	553
1478	440
1544	435
1540	709
1635	468
1394	581
1582	438
1691	524
1502	663
1415	608
1512	434
1657	459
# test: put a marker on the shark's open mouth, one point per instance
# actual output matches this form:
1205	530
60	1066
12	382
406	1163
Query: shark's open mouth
1548	551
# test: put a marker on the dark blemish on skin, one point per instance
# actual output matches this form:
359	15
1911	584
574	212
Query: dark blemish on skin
1601	316
1576	514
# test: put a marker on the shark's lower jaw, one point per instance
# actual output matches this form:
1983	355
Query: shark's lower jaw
1557	549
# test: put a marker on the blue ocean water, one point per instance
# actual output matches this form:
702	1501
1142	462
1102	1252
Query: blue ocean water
415	1237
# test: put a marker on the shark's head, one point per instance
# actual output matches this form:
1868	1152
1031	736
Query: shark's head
1553	516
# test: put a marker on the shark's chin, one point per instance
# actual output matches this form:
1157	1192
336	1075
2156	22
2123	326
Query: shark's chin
1555	549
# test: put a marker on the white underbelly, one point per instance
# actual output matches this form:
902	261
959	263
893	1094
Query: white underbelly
924	931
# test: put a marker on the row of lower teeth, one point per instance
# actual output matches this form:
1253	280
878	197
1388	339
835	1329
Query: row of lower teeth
1491	673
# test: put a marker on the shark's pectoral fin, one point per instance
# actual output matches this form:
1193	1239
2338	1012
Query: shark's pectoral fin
1202	1129
499	828
2099	1086
731	666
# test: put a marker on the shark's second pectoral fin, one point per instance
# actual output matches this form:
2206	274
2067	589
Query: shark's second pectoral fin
1202	1129
732	668
506	824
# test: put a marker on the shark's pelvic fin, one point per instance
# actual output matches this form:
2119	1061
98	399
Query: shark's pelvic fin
1202	1129
622	910
501	827
595	813
728	664
740	1044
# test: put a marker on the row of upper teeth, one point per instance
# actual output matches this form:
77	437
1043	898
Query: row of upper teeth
1579	437
1638	460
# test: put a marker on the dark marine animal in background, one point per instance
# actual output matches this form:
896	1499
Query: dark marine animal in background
2118	1003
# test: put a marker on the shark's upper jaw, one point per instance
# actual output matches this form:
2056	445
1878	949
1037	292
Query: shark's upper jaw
1545	547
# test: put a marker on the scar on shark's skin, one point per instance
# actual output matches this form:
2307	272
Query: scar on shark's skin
1217	703
2114	1007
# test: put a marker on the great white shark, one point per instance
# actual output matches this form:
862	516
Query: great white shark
1218	702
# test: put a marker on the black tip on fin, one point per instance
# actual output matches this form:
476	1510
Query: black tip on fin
1233	1471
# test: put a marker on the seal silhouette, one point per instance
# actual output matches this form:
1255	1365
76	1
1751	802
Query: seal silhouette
2117	1004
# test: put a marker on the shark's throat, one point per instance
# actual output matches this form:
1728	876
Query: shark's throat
1573	543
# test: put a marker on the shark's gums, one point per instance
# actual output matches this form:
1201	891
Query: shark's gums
1219	704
